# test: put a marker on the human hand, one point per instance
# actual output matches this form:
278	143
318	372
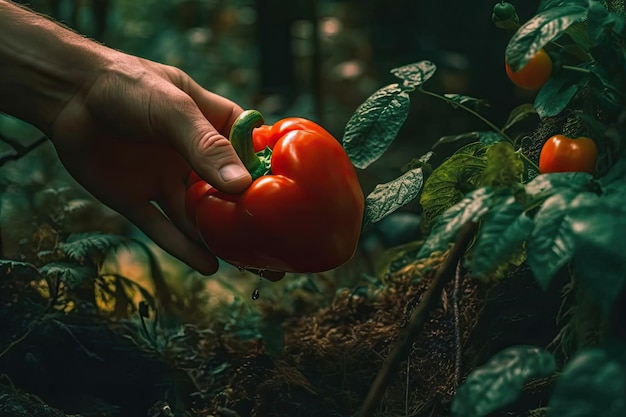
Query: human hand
131	137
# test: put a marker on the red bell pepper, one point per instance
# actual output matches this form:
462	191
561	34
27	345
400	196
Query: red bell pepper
303	210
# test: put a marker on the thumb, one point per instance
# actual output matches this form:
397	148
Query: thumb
206	150
215	160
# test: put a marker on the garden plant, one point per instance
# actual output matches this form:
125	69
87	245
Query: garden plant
510	301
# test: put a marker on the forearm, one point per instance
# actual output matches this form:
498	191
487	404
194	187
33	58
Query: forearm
42	65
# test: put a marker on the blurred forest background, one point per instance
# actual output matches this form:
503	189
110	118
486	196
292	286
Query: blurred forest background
314	58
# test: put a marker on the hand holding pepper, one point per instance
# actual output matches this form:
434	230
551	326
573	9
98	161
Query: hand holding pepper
129	130
303	210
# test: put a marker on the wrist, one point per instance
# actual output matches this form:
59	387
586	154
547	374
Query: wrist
42	65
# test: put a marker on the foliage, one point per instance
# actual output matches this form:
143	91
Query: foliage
558	223
566	229
500	380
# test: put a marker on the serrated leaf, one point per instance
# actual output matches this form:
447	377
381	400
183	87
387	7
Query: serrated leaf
72	275
520	114
502	233
467	101
551	244
446	227
538	31
375	125
387	198
592	384
452	179
598	226
556	94
500	381
80	246
414	75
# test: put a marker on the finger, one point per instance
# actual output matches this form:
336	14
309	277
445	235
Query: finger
206	150
173	201
171	239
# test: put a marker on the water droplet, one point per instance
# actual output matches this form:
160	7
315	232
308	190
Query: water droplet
256	294
260	273
241	268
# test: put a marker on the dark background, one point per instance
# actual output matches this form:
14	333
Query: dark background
263	54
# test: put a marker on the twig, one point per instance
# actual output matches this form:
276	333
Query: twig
87	352
457	325
15	342
19	149
420	315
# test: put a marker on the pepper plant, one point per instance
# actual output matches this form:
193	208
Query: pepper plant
570	223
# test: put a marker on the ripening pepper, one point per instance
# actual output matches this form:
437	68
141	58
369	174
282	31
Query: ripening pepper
303	210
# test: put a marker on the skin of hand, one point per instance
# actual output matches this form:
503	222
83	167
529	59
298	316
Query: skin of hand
127	129
130	138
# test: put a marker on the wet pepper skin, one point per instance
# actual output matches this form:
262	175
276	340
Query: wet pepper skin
305	216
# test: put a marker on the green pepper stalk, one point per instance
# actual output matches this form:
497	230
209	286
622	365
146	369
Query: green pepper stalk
257	163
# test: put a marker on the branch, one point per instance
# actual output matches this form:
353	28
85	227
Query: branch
19	150
419	317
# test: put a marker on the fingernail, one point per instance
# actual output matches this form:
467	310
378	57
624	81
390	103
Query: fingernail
232	172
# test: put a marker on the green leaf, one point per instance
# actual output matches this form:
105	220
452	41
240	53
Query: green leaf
375	124
500	381
520	114
72	275
486	137
556	94
601	23
387	198
592	384
598	226
466	101
615	179
504	167
454	178
447	225
414	75
549	4
551	245
81	246
504	229
538	31
550	184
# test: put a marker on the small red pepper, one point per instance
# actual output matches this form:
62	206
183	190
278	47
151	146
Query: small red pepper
303	210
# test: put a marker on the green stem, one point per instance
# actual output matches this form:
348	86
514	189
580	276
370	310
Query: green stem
577	69
241	139
481	118
472	112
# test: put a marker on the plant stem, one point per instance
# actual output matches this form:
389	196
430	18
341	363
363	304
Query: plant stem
419	317
528	161
470	111
576	69
481	118
241	139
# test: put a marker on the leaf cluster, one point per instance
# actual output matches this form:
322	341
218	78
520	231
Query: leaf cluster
560	222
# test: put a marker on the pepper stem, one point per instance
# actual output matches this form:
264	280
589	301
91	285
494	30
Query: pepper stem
241	139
